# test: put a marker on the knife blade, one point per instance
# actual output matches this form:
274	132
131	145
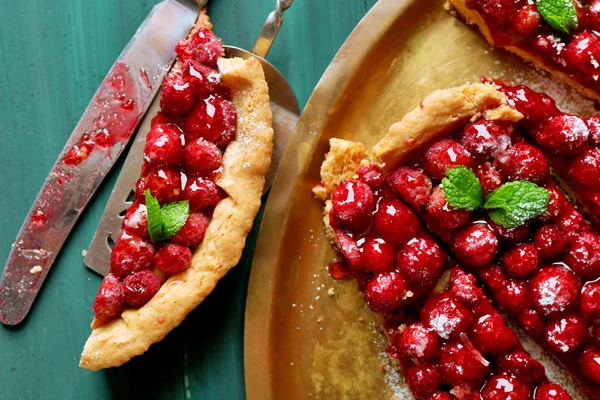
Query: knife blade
100	136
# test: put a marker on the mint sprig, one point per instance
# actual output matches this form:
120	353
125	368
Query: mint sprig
560	14
164	222
462	189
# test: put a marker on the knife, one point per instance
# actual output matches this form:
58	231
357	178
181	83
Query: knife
100	136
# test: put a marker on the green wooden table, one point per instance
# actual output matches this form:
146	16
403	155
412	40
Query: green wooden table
53	55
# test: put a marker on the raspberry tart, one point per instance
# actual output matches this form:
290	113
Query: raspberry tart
205	161
470	163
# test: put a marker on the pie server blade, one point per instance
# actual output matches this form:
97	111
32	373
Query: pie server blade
285	115
100	136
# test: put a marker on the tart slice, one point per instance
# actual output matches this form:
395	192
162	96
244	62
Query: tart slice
560	37
205	161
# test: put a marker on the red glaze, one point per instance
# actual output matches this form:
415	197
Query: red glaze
585	168
177	96
491	335
339	269
378	256
352	205
173	258
139	288
511	235
395	222
589	361
521	365
135	222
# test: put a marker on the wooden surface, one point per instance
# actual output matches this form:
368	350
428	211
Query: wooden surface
53	55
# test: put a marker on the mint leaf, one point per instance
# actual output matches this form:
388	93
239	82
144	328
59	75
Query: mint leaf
174	216
516	202
560	14
154	217
462	189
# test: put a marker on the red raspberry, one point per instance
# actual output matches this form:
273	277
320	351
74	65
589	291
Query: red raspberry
173	258
202	46
521	260
165	185
130	254
349	249
192	232
140	187
416	341
486	138
593	124
108	303
164	119
550	241
489	178
527	20
521	365
585	168
563	135
523	162
494	276
163	146
446	316
177	96
421	261
353	203
589	362
140	287
441	396
446	216
514	295
378	256
584	256
386	291
464	286
571	223
202	193
338	269
371	175
551	391
582	52
500	11
536	108
476	245
511	235
532	321
565	334
502	387
444	155
550	45
203	78
554	291
589	303
413	185
593	15
491	335
556	204
596	333
460	365
423	380
202	157
395	222
135	222
213	119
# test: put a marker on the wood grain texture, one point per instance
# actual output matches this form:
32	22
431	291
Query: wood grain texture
53	55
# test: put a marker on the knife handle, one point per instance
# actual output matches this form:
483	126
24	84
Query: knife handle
270	29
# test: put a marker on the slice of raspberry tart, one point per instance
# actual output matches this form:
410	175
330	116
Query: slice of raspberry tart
466	163
205	161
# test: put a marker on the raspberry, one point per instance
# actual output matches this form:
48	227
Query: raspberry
584	256
173	258
556	204
523	162
135	222
582	52
395	222
464	286
352	205
536	108
213	119
444	155
511	235
349	249
551	391
554	290
446	216
421	261
502	387
440	396
571	224
521	365
486	138
563	135
589	362
108	303
532	321
338	269
593	124
386	291
489	178
201	193
378	256
371	175
165	185
446	316
140	187
494	276
593	15
499	11
202	157
565	334
163	146
514	295
177	96
549	241
130	254
476	245
549	44
164	119
491	335
460	365
202	46
527	20
423	380
521	260
203	78
139	288
589	303
413	185
585	168
416	341
192	232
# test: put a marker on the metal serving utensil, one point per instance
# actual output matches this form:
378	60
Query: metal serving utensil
285	115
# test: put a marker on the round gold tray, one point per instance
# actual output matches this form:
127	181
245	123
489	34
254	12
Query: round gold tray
306	335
